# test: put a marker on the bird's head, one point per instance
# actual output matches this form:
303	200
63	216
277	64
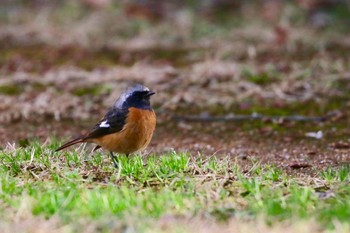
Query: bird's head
137	96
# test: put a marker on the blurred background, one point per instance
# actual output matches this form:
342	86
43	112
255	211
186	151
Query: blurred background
63	63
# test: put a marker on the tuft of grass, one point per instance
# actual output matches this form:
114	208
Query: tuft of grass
262	78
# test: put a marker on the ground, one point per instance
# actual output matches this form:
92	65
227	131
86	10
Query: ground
62	66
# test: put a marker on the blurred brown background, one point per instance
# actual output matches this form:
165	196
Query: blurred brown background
63	63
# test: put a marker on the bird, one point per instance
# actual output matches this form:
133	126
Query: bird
126	128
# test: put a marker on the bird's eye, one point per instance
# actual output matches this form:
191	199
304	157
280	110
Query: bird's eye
144	93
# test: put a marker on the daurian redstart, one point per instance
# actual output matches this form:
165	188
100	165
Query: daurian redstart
126	128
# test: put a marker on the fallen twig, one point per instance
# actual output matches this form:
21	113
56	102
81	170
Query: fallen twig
256	116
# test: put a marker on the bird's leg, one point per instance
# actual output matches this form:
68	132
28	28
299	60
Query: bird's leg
127	155
114	158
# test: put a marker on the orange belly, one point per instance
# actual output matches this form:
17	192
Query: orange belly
135	135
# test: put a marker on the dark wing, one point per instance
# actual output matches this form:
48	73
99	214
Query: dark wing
112	122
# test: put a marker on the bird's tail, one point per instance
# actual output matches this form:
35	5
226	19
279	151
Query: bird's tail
70	143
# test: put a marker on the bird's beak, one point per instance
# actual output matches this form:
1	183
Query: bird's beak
150	93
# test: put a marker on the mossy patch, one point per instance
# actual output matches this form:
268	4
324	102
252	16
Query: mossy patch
11	89
94	90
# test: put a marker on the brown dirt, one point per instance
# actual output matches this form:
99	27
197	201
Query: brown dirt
290	149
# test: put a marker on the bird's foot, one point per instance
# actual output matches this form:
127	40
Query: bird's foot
114	159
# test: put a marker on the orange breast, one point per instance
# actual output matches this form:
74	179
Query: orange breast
135	135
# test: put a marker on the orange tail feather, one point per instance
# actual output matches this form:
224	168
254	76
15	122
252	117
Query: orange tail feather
70	143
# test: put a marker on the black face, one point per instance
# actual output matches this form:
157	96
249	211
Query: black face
140	99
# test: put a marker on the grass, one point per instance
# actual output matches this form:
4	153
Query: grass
78	185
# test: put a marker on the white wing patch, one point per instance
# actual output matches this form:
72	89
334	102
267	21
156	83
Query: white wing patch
104	124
